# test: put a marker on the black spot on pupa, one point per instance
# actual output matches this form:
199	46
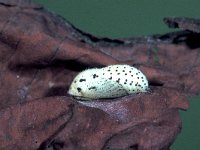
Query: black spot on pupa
138	77
116	70
103	73
123	70
118	73
95	76
92	87
111	73
129	71
79	89
118	80
81	80
108	69
130	84
141	77
131	75
124	82
136	73
142	80
110	78
74	81
125	73
124	67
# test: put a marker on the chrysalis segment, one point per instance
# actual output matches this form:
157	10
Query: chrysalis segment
108	82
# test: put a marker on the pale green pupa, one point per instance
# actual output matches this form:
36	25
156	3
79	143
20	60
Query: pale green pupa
109	82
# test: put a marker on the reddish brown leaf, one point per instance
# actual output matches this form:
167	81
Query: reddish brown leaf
40	54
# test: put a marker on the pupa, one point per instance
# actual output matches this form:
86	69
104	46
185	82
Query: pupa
109	82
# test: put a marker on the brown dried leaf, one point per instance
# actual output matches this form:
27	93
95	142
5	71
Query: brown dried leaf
40	53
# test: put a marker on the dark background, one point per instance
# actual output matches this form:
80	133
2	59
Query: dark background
129	18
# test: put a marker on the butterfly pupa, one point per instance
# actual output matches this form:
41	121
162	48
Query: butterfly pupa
109	82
